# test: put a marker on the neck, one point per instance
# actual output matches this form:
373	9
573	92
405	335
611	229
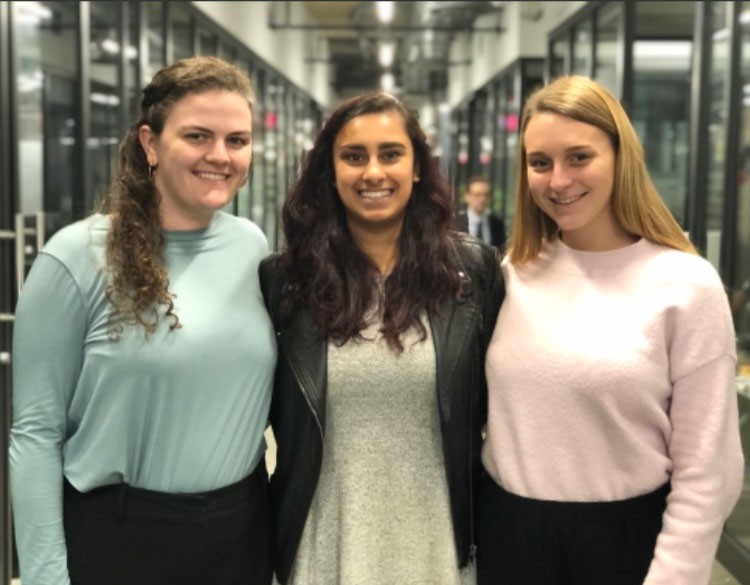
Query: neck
601	236
381	245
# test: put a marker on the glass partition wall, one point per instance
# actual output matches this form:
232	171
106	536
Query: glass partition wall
71	74
485	130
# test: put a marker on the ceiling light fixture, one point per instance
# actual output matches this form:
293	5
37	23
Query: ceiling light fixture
386	53
384	11
387	82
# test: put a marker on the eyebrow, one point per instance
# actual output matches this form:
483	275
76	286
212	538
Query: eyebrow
569	149
384	146
209	131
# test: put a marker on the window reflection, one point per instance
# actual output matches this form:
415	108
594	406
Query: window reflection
738	523
717	129
660	115
104	95
182	32
46	98
154	14
608	44
582	43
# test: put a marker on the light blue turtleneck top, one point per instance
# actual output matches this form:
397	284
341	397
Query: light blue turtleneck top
180	411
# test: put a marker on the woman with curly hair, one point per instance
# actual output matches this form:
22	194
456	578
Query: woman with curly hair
143	361
382	317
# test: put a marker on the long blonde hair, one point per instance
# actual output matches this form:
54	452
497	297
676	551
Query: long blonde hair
636	202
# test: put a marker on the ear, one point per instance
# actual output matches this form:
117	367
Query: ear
147	138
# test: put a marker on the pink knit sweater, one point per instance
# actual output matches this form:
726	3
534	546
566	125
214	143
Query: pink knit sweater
610	374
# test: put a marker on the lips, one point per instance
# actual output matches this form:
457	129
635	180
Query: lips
567	200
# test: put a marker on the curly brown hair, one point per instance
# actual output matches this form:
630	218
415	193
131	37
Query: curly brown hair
138	281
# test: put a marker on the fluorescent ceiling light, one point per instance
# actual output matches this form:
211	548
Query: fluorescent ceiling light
384	11
387	81
386	52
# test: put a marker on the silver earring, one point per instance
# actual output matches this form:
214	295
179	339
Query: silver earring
151	171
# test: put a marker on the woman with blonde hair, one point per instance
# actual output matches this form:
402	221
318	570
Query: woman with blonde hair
144	359
612	450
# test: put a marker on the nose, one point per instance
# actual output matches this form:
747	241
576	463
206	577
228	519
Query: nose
217	152
373	171
560	179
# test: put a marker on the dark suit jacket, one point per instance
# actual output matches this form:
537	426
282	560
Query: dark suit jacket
497	228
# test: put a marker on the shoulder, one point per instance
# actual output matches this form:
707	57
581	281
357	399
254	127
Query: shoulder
241	226
271	278
682	268
76	242
476	257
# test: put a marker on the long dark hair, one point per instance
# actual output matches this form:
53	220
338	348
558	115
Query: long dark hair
138	281
327	271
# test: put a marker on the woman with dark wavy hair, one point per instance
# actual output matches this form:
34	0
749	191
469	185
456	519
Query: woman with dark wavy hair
382	315
143	361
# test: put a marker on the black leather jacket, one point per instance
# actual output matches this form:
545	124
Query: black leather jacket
460	334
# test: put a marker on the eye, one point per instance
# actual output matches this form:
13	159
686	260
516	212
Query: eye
239	141
390	155
580	157
538	164
196	136
353	157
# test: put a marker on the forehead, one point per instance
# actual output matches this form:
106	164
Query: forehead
373	129
549	131
214	106
479	187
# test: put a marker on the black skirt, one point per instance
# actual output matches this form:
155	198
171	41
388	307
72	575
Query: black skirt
523	541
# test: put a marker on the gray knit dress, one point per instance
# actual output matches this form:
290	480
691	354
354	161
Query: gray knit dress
380	514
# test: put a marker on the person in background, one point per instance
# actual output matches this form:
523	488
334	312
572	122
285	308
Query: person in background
382	315
144	359
478	220
612	451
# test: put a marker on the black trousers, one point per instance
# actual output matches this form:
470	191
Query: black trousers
119	535
522	541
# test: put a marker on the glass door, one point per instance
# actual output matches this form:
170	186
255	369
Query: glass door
39	192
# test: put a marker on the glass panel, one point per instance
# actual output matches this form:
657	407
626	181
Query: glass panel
512	119
560	65
717	129
738	523
132	87
273	151
208	43
104	95
501	189
182	31
154	31
227	51
244	195
608	19
660	115
462	150
46	102
582	46
259	150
